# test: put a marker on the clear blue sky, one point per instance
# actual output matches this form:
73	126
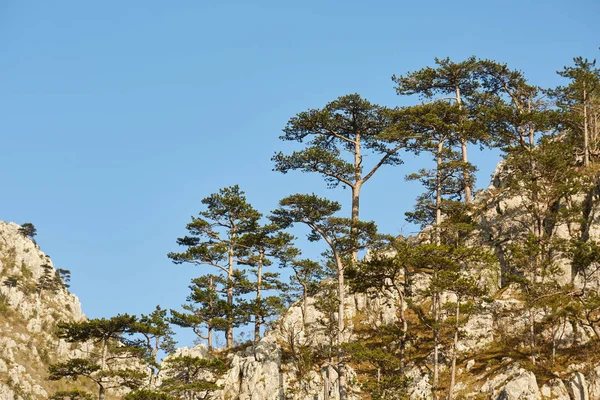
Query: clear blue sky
117	117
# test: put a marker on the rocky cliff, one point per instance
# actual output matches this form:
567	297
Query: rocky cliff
283	365
489	366
28	317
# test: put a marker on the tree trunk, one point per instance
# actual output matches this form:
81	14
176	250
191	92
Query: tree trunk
466	176
454	352
465	158
104	354
209	333
340	335
402	316
438	242
257	316
327	381
356	191
229	330
304	304
100	392
586	137
436	343
532	335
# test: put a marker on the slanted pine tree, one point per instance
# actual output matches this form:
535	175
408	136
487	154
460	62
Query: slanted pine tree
71	395
110	348
215	241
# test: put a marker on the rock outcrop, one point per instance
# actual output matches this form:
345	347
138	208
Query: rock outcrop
28	318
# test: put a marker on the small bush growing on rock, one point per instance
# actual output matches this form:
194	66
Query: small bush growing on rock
72	395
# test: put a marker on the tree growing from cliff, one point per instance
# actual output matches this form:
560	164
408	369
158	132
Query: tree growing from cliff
307	276
579	103
389	267
191	377
110	348
11	281
338	137
344	238
215	240
71	395
157	335
28	230
450	81
264	244
437	128
206	308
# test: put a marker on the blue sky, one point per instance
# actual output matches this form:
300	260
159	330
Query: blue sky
118	117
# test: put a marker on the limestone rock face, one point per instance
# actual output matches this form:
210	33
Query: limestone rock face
577	387
555	389
594	383
512	383
28	318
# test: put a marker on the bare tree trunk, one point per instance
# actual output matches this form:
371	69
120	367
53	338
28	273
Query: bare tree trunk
229	329
340	334
209	334
104	355
532	335
436	343
304	304
100	392
402	316
438	242
438	193
257	317
356	191
454	352
554	331
327	381
466	176
586	137
465	158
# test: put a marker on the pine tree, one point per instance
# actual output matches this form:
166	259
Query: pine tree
71	395
207	307
11	281
338	137
215	241
344	238
389	267
262	245
307	275
579	103
110	346
457	82
28	230
434	127
49	281
191	377
157	335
